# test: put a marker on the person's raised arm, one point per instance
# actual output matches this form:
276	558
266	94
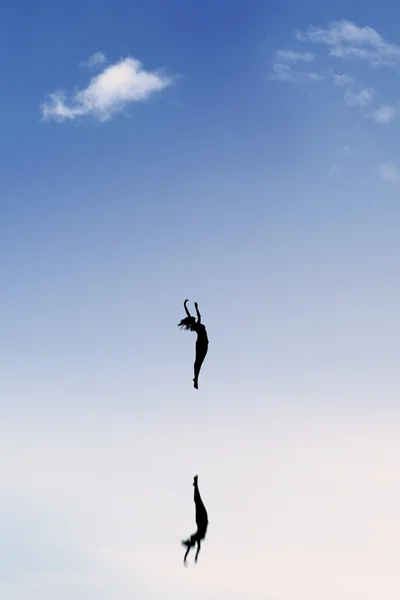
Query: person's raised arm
186	308
186	555
198	312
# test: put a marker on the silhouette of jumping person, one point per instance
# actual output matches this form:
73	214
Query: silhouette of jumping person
201	522
190	324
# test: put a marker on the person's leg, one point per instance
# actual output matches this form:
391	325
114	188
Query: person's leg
197	551
197	498
197	367
201	352
201	512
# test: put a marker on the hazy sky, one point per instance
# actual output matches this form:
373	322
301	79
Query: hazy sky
244	154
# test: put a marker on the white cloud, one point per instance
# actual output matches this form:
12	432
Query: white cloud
344	39
347	40
289	56
361	98
285	73
107	93
384	114
334	170
354	94
96	59
388	171
342	80
347	150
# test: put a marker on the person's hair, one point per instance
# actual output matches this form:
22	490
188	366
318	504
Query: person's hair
187	323
190	542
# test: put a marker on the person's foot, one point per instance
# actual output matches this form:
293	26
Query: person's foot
195	384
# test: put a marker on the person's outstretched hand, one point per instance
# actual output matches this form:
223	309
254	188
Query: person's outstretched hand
186	300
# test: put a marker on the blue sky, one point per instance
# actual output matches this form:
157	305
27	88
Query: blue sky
244	155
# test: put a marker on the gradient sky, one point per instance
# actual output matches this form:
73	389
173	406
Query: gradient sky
244	154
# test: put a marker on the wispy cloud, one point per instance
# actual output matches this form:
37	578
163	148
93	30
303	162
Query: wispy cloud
282	67
347	40
107	93
354	94
289	56
334	170
342	80
388	171
346	150
95	60
360	98
285	73
384	114
344	40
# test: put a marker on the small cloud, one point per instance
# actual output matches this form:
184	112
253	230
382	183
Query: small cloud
354	94
347	150
342	80
346	40
285	73
361	98
334	170
98	58
107	93
388	171
288	56
384	114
